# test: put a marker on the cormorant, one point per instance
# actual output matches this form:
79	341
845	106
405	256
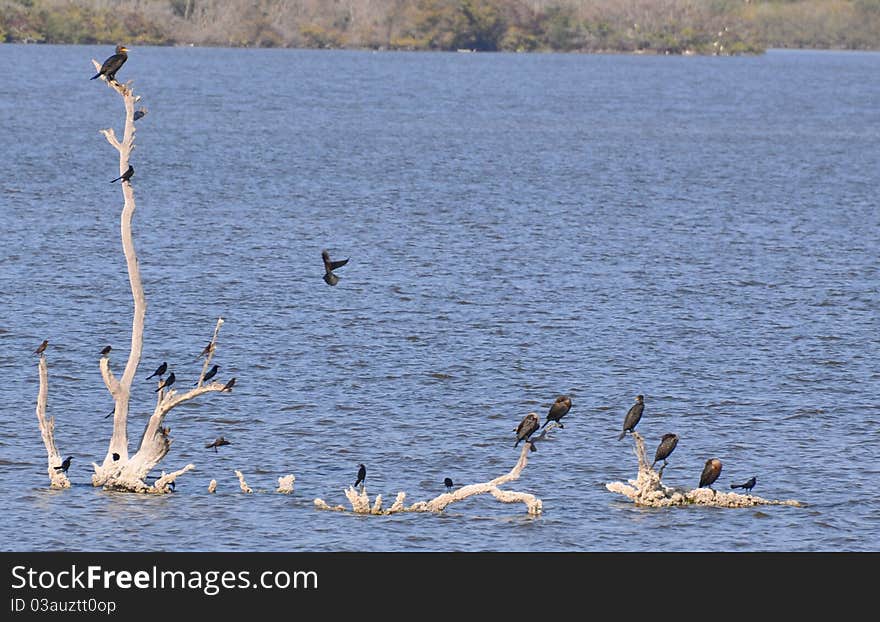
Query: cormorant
42	347
217	443
330	266
666	447
159	370
448	483
362	475
126	175
710	472
746	486
167	382
65	464
211	373
112	64
228	386
106	350
632	416
207	350
526	428
558	410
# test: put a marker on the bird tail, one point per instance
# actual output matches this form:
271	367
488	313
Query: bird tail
622	434
517	442
94	76
545	424
736	486
653	463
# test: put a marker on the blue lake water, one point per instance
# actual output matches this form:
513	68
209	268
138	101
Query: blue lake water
703	231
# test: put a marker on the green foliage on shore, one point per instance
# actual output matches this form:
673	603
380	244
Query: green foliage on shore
627	26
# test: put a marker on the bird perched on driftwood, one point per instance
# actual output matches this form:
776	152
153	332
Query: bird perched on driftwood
747	486
330	266
710	473
206	350
633	415
106	350
228	386
42	347
526	428
558	410
160	371
140	113
65	464
112	64
362	475
666	447
448	483
166	383
219	442
211	373
126	175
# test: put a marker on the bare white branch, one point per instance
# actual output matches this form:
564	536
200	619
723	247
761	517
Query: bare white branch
242	484
57	479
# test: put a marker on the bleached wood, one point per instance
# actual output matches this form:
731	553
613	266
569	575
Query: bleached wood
243	484
210	355
57	479
285	484
648	489
360	501
212	486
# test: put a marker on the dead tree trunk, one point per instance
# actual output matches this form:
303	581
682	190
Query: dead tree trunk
360	501
57	479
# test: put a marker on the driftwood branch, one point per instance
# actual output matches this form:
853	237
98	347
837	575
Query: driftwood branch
57	479
242	483
648	489
360	501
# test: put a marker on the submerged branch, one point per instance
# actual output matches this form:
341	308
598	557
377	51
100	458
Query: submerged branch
57	479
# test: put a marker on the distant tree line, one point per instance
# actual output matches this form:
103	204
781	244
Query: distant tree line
649	26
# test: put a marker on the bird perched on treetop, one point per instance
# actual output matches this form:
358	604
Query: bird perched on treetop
362	475
558	410
228	386
330	266
206	350
211	373
710	472
448	483
666	447
167	382
159	370
42	347
106	350
126	175
65	464
112	64
747	486
526	428
633	415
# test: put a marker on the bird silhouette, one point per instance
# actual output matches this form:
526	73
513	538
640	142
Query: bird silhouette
710	473
632	416
42	347
330	266
448	483
159	370
747	486
558	410
167	382
106	350
126	175
228	386
211	373
112	64
115	456
362	475
666	447
217	443
140	113
65	464
206	350
526	428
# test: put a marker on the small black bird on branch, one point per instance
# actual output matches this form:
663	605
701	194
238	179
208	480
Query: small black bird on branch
362	475
65	464
558	410
211	373
448	483
113	64
167	382
632	416
126	175
115	456
747	486
160	371
42	347
206	350
330	266
140	113
228	386
106	350
217	443
526	428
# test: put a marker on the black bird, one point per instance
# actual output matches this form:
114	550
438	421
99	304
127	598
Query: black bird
42	347
207	350
330	266
558	410
217	443
526	428
632	416
228	386
159	370
710	472
167	382
448	483
106	350
65	464
112	64
666	447
111	413
126	175
140	113
746	486
362	475
211	373
115	456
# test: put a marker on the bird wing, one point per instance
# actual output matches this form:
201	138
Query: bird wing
338	264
